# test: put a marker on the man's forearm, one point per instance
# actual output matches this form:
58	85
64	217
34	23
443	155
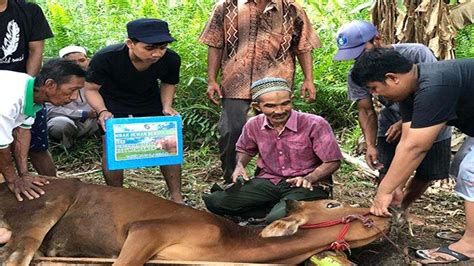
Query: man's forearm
407	158
324	170
93	97
167	93
214	56
35	57
368	124
411	151
7	168
306	63
20	149
243	159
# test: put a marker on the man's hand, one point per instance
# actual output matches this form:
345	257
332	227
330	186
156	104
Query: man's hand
91	114
300	181
381	203
371	157
394	132
29	186
308	90
212	89
239	171
104	115
169	111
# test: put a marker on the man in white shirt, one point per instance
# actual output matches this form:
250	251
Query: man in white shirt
58	83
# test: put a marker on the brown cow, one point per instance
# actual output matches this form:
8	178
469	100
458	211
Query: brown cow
77	219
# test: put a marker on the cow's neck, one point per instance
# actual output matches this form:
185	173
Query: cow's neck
287	249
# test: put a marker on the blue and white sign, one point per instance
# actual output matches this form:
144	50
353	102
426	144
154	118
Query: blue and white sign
143	141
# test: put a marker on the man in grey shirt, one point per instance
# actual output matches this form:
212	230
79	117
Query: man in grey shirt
382	136
76	119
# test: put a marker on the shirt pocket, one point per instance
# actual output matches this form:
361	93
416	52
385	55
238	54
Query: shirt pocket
301	155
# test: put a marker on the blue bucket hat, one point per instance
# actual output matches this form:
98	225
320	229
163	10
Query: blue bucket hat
352	37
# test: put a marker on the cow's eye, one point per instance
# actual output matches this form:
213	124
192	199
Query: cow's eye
332	205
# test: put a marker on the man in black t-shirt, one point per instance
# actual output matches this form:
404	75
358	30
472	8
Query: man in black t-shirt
23	29
123	82
431	95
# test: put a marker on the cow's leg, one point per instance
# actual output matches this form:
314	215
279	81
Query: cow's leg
144	240
29	227
21	253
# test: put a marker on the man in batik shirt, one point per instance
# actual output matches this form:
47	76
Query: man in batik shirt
250	40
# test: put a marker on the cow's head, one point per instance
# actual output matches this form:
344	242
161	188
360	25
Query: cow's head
314	212
321	210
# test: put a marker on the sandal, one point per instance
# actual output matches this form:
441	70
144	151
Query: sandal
449	235
427	257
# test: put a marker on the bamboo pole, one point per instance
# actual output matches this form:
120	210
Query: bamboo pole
56	261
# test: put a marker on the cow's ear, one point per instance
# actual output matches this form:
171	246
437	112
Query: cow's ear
292	205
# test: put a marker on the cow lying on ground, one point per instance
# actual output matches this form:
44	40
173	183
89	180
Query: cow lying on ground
76	219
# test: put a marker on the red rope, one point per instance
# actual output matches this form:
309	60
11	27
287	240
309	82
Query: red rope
340	244
321	225
344	220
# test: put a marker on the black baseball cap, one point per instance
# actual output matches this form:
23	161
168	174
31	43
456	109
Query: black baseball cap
149	30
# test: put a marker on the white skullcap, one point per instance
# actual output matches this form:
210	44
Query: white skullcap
72	49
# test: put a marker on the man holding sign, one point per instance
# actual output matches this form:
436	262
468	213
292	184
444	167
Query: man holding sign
136	79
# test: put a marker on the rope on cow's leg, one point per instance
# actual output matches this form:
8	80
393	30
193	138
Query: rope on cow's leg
370	223
391	241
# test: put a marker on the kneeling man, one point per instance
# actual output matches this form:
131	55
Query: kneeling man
297	155
77	119
58	83
431	95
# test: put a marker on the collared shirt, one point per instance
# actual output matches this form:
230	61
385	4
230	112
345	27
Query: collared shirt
304	144
17	107
257	45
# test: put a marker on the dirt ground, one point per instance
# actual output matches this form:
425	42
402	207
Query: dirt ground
439	209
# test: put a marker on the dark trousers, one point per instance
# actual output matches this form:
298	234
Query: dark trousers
233	118
260	198
39	132
434	166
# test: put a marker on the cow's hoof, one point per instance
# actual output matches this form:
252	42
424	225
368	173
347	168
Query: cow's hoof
280	228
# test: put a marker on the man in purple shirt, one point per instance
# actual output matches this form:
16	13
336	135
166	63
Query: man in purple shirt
297	155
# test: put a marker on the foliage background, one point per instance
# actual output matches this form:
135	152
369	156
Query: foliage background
97	23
